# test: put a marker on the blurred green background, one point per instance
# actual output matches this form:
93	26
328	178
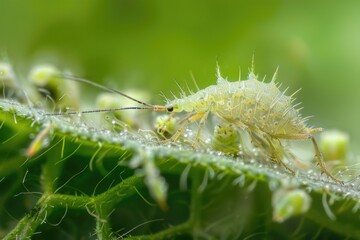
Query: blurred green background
152	44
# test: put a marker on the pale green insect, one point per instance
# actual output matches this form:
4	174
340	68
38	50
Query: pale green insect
256	107
226	139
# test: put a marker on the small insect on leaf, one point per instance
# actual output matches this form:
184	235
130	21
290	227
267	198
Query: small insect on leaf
257	108
226	139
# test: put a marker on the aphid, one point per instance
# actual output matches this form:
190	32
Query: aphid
254	106
226	139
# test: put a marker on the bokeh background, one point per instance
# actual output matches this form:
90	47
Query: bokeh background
152	44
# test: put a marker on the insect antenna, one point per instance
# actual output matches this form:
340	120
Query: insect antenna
155	108
147	106
83	80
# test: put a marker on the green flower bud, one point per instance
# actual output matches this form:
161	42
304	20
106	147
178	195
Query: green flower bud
334	145
7	75
165	125
289	202
131	118
50	83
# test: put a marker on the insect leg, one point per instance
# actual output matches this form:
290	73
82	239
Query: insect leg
298	163
263	141
183	119
189	119
235	122
266	143
279	154
239	124
318	154
321	162
201	124
162	128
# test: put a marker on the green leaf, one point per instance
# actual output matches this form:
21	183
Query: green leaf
82	181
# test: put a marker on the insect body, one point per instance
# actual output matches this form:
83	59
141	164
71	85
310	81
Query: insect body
256	107
250	104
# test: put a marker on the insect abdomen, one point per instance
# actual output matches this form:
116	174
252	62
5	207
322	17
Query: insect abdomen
259	104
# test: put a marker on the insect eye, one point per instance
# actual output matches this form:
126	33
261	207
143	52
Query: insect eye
170	109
